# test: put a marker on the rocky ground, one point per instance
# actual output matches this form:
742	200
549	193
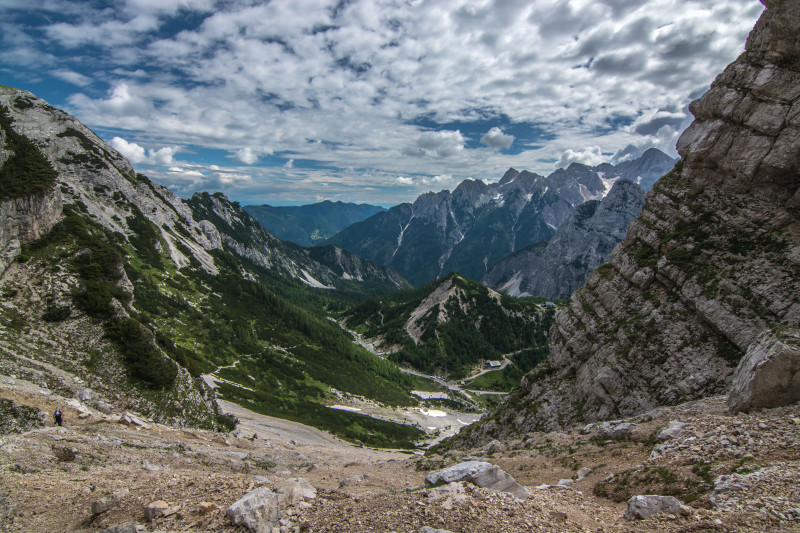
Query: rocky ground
735	473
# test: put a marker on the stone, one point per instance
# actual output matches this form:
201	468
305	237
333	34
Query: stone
103	407
258	510
159	508
428	529
102	505
205	508
614	429
84	395
480	473
645	506
127	527
670	431
769	373
293	491
359	478
583	472
129	419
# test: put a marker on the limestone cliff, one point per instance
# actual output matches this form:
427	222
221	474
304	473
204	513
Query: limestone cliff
708	273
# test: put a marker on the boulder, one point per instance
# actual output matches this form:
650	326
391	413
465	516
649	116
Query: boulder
614	429
641	507
670	431
769	373
129	419
159	508
127	527
103	407
84	395
258	510
481	474
295	490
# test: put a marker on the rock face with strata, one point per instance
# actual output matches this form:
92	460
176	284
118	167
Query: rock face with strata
708	270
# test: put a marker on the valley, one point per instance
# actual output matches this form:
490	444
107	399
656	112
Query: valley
608	348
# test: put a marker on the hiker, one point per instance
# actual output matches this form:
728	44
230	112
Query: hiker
57	416
254	437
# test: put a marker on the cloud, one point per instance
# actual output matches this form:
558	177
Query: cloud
289	164
497	139
136	154
72	77
405	181
653	122
386	88
591	156
131	151
439	144
246	155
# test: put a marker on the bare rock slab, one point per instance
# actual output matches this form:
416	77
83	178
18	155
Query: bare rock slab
258	510
769	373
645	506
481	474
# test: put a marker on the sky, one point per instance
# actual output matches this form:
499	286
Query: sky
292	102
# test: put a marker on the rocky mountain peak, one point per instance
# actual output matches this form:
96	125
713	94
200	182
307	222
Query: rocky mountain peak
703	295
510	174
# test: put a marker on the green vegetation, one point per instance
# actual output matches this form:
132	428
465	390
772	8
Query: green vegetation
478	326
27	172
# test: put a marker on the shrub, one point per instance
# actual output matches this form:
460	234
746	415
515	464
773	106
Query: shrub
142	359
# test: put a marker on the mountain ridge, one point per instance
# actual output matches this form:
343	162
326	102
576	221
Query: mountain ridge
310	224
476	225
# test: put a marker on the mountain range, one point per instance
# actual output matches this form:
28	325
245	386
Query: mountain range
310	224
472	228
584	241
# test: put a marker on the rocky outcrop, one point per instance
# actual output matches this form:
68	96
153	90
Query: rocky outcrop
709	269
582	243
26	219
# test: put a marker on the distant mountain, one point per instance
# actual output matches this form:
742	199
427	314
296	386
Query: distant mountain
311	224
584	241
478	224
329	269
452	325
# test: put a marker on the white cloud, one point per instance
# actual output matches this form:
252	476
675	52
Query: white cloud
289	164
497	139
246	155
75	78
591	156
439	144
132	151
136	154
405	181
393	87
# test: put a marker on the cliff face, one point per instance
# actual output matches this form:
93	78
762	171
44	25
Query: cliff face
582	243
708	273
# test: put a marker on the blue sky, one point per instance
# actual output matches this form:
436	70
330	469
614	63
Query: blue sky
297	101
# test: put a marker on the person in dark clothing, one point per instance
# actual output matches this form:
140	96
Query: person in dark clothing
58	416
